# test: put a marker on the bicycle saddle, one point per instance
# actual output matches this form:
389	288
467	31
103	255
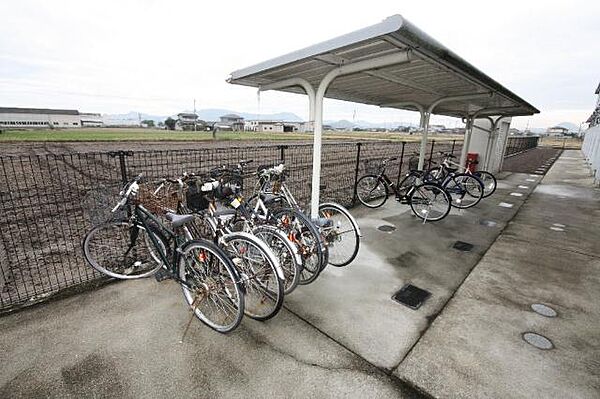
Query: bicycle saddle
179	220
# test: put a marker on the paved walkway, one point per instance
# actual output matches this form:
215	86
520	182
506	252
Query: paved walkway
343	336
549	254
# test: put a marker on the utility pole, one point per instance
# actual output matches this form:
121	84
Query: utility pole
195	117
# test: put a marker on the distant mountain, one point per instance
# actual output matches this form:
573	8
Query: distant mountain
345	124
568	125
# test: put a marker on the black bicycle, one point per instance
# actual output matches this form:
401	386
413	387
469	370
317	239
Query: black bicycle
428	201
141	245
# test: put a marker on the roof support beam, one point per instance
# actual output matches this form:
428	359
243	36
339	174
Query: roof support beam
404	82
430	110
346	69
308	88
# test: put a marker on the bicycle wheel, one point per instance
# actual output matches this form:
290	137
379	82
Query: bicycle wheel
488	180
342	236
371	191
118	249
285	251
260	274
305	235
429	202
211	286
465	190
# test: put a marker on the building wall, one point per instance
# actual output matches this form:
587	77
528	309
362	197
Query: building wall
32	121
480	144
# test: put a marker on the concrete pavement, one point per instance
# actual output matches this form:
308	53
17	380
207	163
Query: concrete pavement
549	254
344	336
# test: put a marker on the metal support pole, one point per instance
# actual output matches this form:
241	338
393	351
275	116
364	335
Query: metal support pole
453	144
431	154
282	152
425	127
401	162
358	145
468	131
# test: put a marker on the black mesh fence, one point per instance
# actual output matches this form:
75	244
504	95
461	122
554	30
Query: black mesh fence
514	145
49	202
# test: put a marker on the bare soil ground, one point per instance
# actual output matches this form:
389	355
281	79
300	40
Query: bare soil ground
537	160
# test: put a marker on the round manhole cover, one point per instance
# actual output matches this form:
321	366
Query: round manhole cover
544	310
537	340
386	227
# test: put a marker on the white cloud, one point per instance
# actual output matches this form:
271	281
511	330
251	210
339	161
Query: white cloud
116	56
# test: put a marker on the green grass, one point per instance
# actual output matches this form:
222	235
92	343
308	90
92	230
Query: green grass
139	134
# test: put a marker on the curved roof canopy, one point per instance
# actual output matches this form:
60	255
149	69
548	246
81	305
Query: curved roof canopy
433	72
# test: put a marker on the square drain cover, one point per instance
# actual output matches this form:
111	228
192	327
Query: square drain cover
411	296
463	246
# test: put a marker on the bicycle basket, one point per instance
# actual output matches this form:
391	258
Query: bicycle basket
195	198
372	166
163	201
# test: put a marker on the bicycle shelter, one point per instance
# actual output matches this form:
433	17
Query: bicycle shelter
390	64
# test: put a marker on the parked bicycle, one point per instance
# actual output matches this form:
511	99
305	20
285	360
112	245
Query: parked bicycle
427	200
141	245
448	166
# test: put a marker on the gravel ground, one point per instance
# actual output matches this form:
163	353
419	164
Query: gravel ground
537	160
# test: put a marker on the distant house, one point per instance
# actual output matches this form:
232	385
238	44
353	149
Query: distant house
557	131
273	126
230	122
187	121
594	119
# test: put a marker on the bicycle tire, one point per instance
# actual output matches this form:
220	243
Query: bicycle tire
117	250
303	232
286	252
488	180
264	283
426	194
350	228
465	190
218	271
371	191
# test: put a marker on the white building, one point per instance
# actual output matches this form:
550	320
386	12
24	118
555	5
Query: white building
263	126
38	118
91	120
556	131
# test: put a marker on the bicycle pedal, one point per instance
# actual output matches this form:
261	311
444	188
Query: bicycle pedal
162	275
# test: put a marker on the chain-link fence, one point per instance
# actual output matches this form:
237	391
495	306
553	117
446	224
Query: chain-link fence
49	202
515	145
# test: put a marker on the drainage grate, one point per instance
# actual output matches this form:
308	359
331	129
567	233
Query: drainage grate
411	296
537	340
386	227
463	246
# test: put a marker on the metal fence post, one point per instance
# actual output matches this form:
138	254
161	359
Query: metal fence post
431	154
122	165
282	152
453	144
358	145
401	161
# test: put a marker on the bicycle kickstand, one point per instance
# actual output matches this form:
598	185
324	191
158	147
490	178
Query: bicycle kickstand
193	308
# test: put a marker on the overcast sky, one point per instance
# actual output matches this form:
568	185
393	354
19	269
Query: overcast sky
157	56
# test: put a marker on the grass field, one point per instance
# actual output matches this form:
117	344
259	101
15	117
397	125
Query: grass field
137	134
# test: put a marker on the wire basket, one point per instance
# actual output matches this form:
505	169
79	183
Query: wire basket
99	202
372	166
160	201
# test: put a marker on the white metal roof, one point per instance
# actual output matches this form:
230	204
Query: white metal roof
433	72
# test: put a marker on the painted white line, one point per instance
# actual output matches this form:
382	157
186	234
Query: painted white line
516	194
534	175
529	179
557	228
505	205
558	225
523	187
